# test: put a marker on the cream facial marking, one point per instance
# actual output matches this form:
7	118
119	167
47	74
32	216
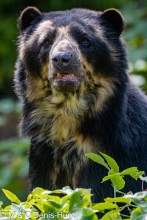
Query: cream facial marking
38	33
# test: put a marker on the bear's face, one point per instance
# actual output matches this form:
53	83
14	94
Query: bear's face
70	50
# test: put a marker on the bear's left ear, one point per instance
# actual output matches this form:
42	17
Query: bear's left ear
115	18
27	16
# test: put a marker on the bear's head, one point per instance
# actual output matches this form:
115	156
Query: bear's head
71	50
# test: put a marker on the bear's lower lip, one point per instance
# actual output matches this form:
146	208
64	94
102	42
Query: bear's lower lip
66	82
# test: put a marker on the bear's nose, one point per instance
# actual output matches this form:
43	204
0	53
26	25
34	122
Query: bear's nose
62	59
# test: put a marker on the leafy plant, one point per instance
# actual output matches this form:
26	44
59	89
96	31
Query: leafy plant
136	204
44	204
116	177
76	204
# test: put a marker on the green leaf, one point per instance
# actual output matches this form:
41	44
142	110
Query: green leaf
140	199
112	215
109	177
119	199
111	172
117	181
138	214
143	205
104	205
46	206
79	199
6	211
139	195
64	199
88	214
143	178
37	192
98	159
73	199
129	171
11	196
133	172
112	163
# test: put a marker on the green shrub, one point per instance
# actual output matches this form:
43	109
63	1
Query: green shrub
76	204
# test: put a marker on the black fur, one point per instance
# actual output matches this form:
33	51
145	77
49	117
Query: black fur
117	127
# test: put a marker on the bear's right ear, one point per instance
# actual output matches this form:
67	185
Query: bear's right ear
27	16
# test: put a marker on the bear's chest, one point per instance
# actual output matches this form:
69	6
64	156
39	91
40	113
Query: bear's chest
68	161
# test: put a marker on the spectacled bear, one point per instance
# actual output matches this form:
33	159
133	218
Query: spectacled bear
77	97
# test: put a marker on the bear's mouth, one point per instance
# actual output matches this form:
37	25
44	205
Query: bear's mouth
66	82
65	76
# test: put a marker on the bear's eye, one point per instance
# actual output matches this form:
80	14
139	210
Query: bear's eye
46	43
85	42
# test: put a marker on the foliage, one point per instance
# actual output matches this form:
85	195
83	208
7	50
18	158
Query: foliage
17	166
135	35
14	166
116	177
76	204
13	152
7	107
44	204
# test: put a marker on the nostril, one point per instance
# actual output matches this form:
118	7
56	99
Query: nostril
55	60
65	60
62	58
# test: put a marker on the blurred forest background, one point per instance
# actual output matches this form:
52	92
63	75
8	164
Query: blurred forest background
13	150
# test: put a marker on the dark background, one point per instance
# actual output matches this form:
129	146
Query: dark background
13	150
